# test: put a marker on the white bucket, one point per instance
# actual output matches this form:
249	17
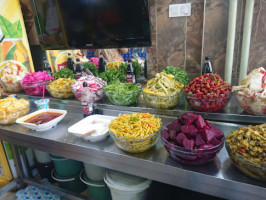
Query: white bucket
93	172
125	186
41	156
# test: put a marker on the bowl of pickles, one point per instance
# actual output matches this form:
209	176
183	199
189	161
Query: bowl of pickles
246	148
61	88
162	91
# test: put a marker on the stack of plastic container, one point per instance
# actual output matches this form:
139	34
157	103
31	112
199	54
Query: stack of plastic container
44	164
67	172
93	177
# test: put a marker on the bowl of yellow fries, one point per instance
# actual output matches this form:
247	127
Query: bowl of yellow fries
136	132
12	108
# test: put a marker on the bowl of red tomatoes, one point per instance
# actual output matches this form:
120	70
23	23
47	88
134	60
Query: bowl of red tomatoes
208	93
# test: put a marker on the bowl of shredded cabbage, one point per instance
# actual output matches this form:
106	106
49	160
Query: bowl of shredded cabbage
162	91
251	93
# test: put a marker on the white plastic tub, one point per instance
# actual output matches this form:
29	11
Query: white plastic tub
125	186
41	156
93	172
97	123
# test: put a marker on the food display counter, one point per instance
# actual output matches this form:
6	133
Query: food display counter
219	178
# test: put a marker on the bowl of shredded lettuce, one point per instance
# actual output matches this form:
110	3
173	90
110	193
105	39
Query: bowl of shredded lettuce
122	94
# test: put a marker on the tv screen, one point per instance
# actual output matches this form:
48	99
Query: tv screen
92	24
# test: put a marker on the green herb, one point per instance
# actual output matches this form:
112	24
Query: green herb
179	74
91	67
137	68
111	75
123	67
122	93
134	119
64	73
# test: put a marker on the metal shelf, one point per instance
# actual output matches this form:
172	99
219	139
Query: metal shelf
219	178
232	113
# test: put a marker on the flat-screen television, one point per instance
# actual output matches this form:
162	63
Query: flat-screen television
92	24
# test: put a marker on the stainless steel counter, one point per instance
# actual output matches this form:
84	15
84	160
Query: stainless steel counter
219	178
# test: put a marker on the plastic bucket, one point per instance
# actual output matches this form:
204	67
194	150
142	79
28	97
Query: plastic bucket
65	167
73	184
41	156
93	172
126	187
98	190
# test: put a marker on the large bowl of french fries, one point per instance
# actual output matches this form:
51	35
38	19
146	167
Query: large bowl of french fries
136	132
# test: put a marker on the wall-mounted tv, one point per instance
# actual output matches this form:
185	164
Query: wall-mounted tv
92	24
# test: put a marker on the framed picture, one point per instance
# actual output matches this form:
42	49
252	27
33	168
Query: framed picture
5	173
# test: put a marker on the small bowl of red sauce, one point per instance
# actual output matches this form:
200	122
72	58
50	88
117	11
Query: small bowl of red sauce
42	120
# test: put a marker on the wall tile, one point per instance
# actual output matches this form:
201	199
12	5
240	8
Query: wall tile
257	56
170	36
215	33
194	38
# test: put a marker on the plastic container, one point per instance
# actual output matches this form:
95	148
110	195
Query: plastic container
42	104
125	186
45	170
99	123
65	167
208	104
35	88
98	190
41	156
192	157
98	94
72	183
11	117
12	88
251	104
167	101
44	126
251	168
126	100
132	145
93	172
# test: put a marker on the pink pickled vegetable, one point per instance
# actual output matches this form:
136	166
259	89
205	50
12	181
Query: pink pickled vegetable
34	83
95	61
95	88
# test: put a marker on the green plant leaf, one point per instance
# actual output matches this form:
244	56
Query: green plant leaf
18	28
10	54
4	26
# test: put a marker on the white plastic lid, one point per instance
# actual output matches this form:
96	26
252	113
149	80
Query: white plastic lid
126	182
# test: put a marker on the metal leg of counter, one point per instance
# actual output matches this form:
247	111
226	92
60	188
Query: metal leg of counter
9	187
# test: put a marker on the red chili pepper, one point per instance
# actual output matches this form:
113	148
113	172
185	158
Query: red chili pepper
150	125
146	116
242	150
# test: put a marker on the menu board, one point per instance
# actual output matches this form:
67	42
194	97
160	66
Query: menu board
14	46
58	58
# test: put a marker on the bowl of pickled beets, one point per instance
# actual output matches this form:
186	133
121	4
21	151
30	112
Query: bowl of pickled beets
191	140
